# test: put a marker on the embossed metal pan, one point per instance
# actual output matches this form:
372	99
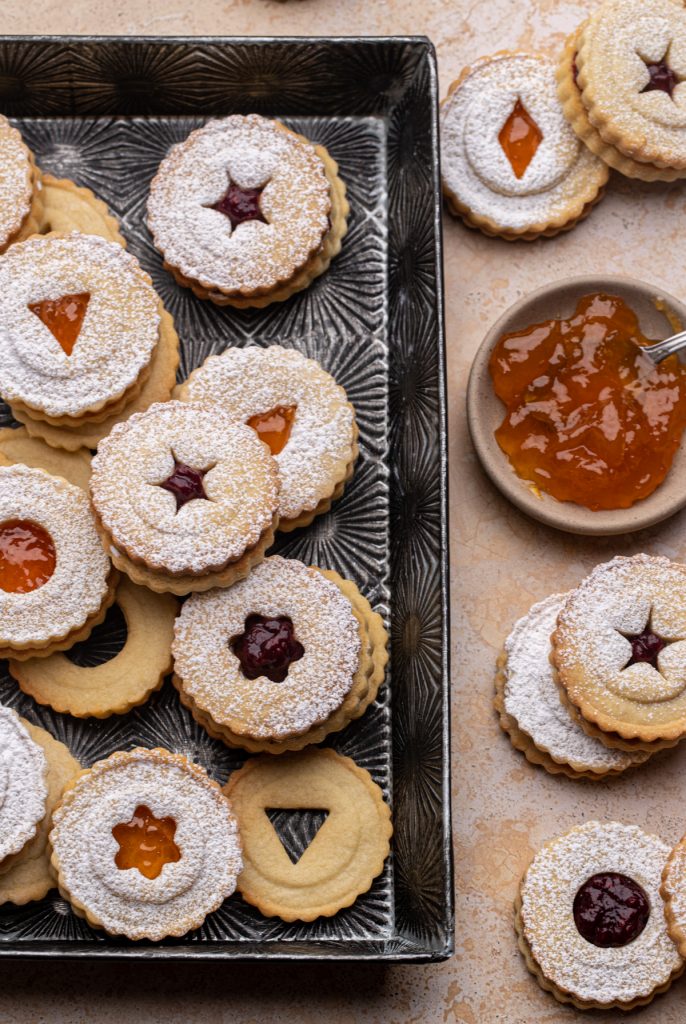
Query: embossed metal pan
104	112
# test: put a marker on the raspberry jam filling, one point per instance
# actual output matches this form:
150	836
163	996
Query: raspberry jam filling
267	647
27	556
610	909
63	317
146	843
185	483
662	78
240	204
274	427
645	647
520	137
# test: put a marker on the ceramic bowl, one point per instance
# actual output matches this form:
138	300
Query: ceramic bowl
485	411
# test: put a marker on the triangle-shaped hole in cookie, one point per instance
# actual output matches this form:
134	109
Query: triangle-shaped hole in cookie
296	827
63	317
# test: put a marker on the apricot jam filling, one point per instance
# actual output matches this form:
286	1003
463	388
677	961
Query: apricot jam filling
27	556
63	317
520	137
146	843
590	418
274	427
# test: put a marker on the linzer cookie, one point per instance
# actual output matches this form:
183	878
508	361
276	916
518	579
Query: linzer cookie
35	769
75	686
619	650
145	845
80	326
245	212
511	164
620	83
281	659
56	582
185	497
17	445
590	920
673	891
344	857
297	409
68	207
530	710
21	205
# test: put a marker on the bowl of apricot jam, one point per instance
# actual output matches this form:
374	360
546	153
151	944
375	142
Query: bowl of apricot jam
570	419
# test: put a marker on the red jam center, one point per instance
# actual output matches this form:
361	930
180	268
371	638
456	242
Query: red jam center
610	909
240	204
185	483
662	78
27	556
520	137
274	427
146	843
645	646
267	647
63	317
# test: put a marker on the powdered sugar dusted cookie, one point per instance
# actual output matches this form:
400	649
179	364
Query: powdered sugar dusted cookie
20	187
23	787
145	845
246	212
530	709
511	164
590	919
297	409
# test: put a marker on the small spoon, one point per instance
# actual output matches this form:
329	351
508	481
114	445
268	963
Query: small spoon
661	349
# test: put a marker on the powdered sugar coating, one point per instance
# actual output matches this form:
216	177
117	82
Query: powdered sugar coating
16	186
124	901
316	684
78	586
532	698
619	39
619	598
241	484
23	785
557	872
476	170
247	382
117	338
252	152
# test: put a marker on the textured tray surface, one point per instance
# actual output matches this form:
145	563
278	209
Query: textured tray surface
374	321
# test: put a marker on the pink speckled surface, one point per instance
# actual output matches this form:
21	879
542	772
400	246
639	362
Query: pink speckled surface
504	808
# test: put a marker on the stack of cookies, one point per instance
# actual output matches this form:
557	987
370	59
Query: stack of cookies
594	681
527	141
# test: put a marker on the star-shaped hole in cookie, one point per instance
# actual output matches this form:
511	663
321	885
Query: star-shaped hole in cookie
240	204
185	483
146	843
663	77
646	646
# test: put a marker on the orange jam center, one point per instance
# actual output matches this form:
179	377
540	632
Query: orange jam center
590	418
63	317
274	427
146	843
27	556
520	137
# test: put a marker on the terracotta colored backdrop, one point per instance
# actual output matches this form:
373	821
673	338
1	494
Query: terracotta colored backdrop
503	807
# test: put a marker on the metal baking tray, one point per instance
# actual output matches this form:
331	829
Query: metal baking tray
104	111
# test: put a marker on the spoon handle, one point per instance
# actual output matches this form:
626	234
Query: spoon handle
665	348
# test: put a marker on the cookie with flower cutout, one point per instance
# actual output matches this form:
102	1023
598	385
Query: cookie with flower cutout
35	768
145	845
21	205
620	83
246	212
590	921
619	651
81	324
56	582
531	713
511	164
347	852
185	497
281	659
297	409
